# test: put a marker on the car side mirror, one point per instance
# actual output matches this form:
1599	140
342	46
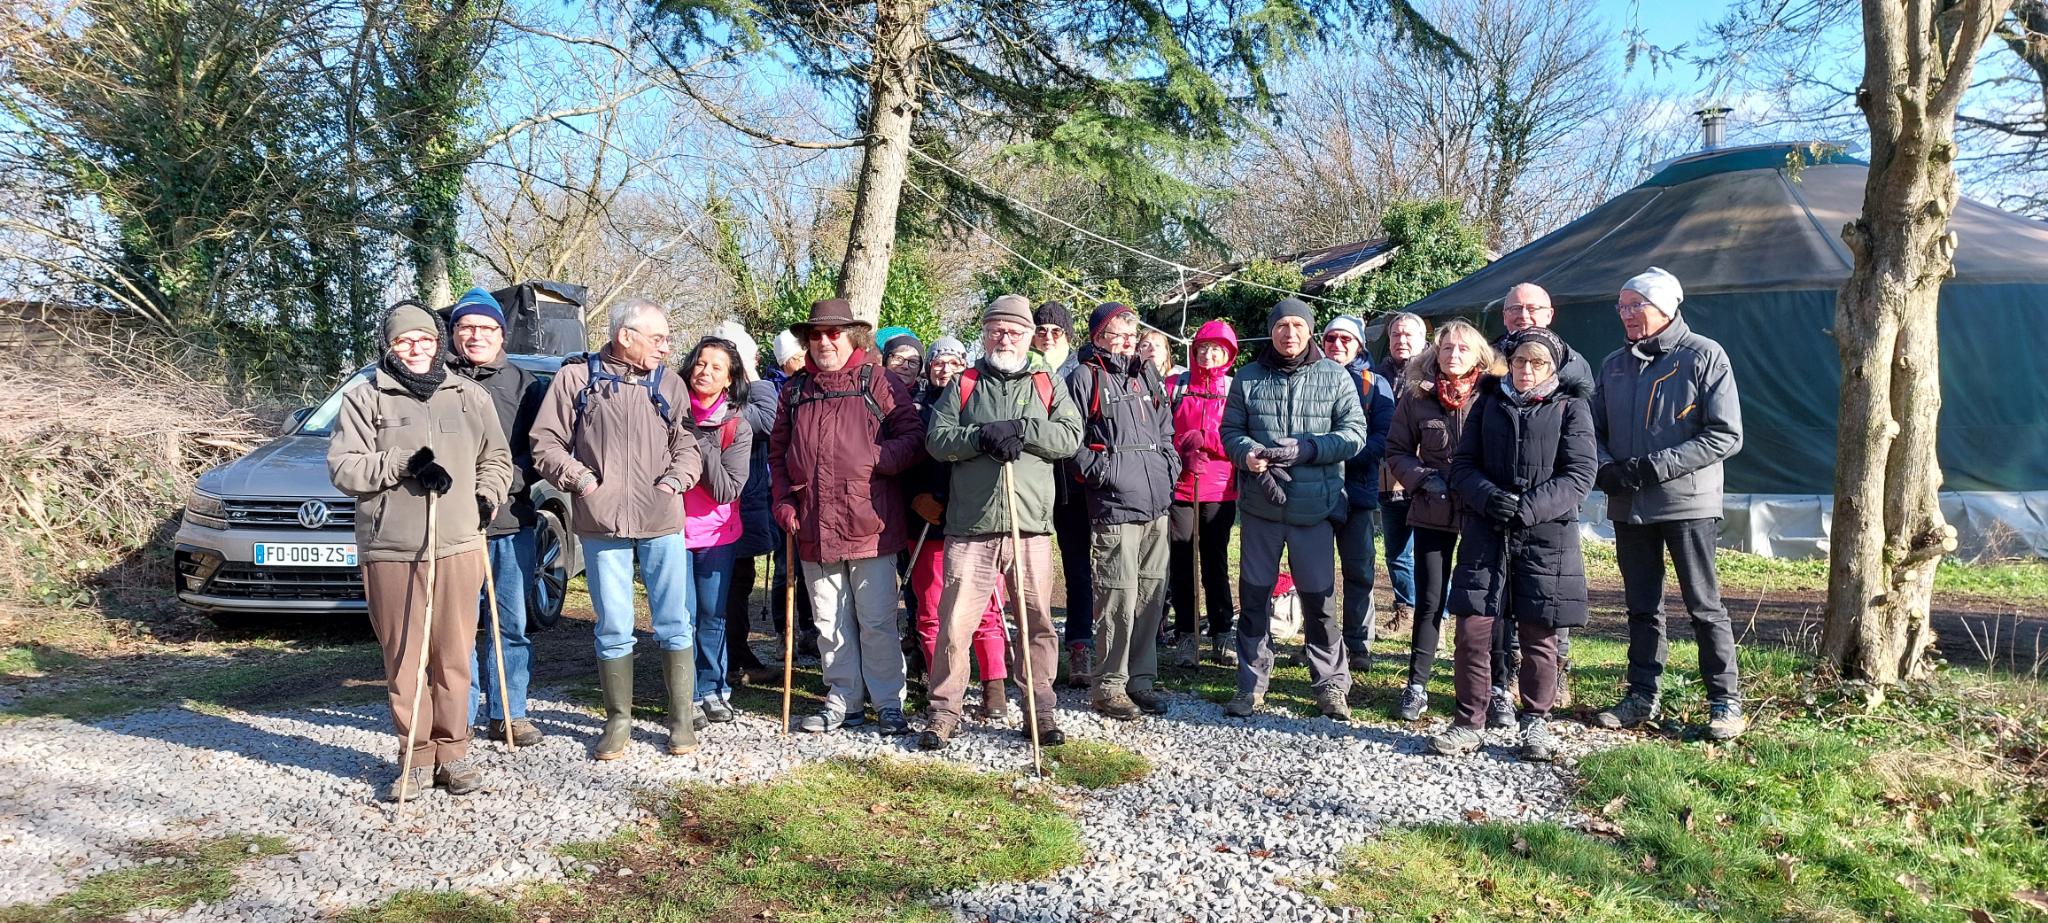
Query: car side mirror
292	421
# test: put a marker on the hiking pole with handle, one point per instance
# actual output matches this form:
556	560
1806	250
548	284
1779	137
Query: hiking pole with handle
788	627
419	692
497	646
1023	626
1195	556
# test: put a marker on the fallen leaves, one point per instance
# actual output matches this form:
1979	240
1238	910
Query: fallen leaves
2032	898
1919	888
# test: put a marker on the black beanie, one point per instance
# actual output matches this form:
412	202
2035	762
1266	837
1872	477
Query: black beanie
1104	313
1290	307
1053	312
1539	335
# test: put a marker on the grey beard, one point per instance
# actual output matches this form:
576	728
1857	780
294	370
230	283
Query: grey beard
1008	366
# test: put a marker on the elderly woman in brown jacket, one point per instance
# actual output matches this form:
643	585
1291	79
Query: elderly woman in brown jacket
425	457
1434	395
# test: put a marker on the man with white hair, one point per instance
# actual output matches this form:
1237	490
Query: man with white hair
1665	418
1005	414
606	433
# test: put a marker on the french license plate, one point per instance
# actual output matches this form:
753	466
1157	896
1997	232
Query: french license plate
305	554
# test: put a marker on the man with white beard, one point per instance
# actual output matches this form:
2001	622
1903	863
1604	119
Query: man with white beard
1006	413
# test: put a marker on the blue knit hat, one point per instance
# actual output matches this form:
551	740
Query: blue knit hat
476	301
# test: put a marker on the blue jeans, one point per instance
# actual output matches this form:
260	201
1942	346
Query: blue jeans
711	573
1400	542
664	569
513	560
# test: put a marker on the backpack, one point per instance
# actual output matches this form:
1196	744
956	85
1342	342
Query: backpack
1095	392
864	389
597	374
1042	380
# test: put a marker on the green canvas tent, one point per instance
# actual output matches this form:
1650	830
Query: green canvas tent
1754	235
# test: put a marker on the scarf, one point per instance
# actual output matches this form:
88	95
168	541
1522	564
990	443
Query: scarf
1057	356
1454	393
1271	358
1536	395
421	385
704	411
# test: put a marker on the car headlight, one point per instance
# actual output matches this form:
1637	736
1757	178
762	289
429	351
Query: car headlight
206	509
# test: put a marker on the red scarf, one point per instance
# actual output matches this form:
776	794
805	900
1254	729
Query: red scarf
1454	393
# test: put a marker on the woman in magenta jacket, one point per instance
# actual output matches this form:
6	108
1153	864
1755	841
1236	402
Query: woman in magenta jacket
712	524
1205	497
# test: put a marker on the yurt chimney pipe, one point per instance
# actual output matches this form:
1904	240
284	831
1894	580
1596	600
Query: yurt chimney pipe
1713	123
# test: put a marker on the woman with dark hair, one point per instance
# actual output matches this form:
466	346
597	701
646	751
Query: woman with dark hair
712	525
1524	464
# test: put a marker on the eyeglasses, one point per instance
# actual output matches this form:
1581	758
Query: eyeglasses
905	361
1339	338
1004	334
824	333
415	343
1524	362
1050	330
1523	308
1627	309
478	329
658	339
1116	337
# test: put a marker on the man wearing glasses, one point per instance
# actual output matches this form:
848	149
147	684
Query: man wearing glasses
607	433
479	327
1665	419
1344	343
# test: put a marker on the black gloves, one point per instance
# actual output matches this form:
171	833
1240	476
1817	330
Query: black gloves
1002	440
1502	507
1434	484
486	513
1639	473
431	476
1269	485
1611	480
1288	450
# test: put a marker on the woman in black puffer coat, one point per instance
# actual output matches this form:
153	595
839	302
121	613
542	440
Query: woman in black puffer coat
1524	464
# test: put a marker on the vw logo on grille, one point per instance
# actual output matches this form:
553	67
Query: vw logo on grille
313	514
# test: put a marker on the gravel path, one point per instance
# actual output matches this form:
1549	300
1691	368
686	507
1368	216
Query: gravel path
1236	808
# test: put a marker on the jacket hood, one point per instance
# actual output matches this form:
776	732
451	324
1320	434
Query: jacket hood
1217	331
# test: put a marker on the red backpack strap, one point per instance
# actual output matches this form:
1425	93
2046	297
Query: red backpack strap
968	379
728	431
1044	382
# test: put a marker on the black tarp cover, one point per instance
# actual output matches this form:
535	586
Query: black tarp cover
1759	251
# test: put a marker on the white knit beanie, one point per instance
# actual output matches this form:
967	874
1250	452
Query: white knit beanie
1660	287
785	347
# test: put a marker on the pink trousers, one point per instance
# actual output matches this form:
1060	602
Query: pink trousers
927	579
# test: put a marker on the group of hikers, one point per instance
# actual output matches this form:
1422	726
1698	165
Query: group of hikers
938	479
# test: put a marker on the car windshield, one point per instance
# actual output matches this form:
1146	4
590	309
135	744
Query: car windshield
321	421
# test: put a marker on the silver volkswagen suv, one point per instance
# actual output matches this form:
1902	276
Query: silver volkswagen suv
269	533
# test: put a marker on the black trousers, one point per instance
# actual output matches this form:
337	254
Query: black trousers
738	620
1074	534
1639	551
1434	550
1217	519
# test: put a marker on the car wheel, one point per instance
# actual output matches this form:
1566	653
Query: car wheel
551	573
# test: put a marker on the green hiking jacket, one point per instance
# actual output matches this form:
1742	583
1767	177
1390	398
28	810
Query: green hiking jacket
1317	403
976	505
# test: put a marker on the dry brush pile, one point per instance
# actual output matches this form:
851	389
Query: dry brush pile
97	453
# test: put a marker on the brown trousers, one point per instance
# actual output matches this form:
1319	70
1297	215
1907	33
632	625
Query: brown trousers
1472	669
397	594
975	566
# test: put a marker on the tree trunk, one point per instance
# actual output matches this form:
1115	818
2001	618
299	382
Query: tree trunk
1888	533
892	108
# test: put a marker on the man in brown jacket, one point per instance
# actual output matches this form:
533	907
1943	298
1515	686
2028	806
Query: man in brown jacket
415	445
845	429
607	432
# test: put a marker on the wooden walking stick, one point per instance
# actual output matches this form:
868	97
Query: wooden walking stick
419	691
1023	626
498	647
788	628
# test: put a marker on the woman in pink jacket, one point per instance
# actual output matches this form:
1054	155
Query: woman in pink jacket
711	512
1205	497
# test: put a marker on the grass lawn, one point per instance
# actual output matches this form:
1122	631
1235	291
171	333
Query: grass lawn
2020	582
833	842
180	876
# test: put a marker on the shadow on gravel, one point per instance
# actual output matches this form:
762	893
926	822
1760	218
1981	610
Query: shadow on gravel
228	734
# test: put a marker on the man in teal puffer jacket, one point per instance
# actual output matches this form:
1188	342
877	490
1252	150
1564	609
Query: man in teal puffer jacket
1290	423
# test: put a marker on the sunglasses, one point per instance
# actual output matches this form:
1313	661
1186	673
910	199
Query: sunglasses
825	333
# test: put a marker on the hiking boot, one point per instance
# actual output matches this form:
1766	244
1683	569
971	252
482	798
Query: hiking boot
1148	701
615	683
524	734
1414	701
1455	741
1114	703
1186	651
826	721
1331	703
1537	744
407	786
679	671
1360	662
891	721
1500	710
716	711
1725	720
460	777
937	736
1049	733
1077	666
1631	712
1243	705
995	700
1223	648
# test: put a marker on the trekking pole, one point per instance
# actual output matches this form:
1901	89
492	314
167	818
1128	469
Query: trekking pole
1195	557
1023	627
788	627
498	649
420	678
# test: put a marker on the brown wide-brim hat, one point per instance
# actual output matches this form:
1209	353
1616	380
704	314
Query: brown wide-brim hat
828	312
